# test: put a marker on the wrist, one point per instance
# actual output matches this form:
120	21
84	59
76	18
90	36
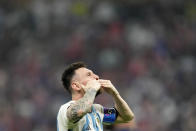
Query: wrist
115	93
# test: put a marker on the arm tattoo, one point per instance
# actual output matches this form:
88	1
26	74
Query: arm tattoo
77	110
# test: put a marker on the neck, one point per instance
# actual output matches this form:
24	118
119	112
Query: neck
77	96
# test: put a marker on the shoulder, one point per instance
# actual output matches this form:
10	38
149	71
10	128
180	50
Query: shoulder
63	110
97	106
62	119
64	107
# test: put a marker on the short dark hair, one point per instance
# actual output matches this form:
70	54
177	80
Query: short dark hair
69	72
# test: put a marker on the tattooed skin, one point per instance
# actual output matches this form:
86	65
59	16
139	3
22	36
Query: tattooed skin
78	109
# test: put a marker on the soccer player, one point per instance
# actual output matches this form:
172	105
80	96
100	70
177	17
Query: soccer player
81	114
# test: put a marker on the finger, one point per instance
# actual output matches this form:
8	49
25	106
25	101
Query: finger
104	81
106	85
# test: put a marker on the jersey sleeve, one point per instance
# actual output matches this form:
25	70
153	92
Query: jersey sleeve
110	115
62	120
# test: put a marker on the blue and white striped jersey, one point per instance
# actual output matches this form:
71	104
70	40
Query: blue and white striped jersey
91	121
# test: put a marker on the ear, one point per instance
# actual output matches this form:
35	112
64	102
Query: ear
76	86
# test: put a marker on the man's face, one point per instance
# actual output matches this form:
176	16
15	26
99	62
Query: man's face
83	75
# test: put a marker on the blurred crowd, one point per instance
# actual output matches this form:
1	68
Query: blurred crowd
147	48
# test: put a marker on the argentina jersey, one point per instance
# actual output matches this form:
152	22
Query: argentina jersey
92	121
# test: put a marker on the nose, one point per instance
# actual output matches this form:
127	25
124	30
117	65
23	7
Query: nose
96	77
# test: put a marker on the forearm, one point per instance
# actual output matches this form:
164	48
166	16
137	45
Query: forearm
77	110
122	107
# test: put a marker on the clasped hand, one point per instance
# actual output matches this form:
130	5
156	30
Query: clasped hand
101	84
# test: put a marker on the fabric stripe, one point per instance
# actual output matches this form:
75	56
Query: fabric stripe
101	125
86	124
94	122
93	119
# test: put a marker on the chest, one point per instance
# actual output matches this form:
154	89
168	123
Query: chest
91	121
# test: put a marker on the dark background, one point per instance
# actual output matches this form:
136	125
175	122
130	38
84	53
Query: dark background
147	49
